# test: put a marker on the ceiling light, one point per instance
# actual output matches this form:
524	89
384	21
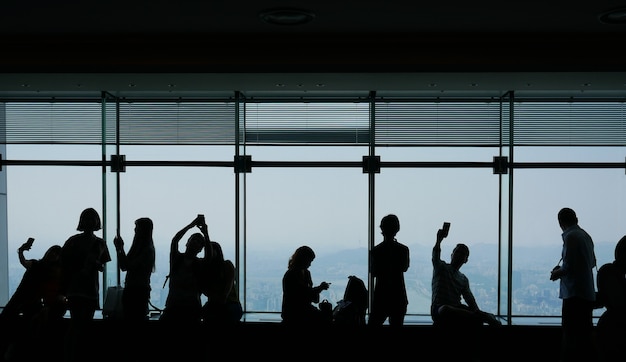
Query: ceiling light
287	16
615	16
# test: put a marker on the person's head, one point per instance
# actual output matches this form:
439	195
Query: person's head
53	254
567	217
89	220
194	244
301	258
144	227
390	225
460	255
143	238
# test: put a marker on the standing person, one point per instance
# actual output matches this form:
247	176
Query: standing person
138	264
183	303
611	330
83	257
222	307
389	261
576	288
299	294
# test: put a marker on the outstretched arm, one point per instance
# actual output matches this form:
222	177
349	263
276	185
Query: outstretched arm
437	247
179	235
204	229
26	263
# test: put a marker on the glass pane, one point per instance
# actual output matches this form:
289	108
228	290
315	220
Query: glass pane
423	198
172	197
597	195
45	202
324	208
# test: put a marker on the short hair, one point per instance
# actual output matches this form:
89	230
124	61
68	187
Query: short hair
89	220
567	216
462	248
390	224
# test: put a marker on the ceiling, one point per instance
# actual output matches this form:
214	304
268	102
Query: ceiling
209	47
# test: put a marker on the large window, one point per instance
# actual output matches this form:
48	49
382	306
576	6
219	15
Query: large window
272	175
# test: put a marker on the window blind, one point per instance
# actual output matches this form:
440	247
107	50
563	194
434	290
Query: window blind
399	123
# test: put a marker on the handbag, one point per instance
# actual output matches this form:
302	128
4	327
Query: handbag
113	308
326	308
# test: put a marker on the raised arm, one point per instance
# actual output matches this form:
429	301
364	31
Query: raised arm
204	229
26	263
437	247
179	235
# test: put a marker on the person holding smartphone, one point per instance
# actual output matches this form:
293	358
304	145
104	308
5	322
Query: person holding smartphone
453	306
187	270
36	308
450	288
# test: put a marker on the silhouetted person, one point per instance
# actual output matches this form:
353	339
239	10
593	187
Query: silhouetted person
139	264
352	308
299	294
453	303
389	261
454	309
611	329
222	308
83	257
37	306
576	289
183	303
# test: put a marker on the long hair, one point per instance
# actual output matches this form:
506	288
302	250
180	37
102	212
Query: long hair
301	257
143	239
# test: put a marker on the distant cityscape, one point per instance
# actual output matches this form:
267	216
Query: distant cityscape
534	294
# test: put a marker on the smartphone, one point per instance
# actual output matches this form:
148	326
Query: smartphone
446	229
29	243
201	219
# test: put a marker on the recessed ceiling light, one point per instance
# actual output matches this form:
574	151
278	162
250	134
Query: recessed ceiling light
287	16
615	16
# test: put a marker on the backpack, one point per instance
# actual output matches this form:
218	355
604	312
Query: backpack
350	311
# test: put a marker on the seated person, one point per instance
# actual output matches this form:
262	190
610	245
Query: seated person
611	329
449	285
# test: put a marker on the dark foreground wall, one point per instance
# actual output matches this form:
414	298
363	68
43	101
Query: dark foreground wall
154	341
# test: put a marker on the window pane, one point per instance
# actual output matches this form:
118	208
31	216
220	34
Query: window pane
172	197
423	198
324	208
597	195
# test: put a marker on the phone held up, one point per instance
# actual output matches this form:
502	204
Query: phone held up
29	243
445	229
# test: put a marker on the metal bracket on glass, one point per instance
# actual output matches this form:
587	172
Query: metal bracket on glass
118	163
243	164
500	165
371	164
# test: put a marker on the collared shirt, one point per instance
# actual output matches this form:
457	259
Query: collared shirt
578	262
